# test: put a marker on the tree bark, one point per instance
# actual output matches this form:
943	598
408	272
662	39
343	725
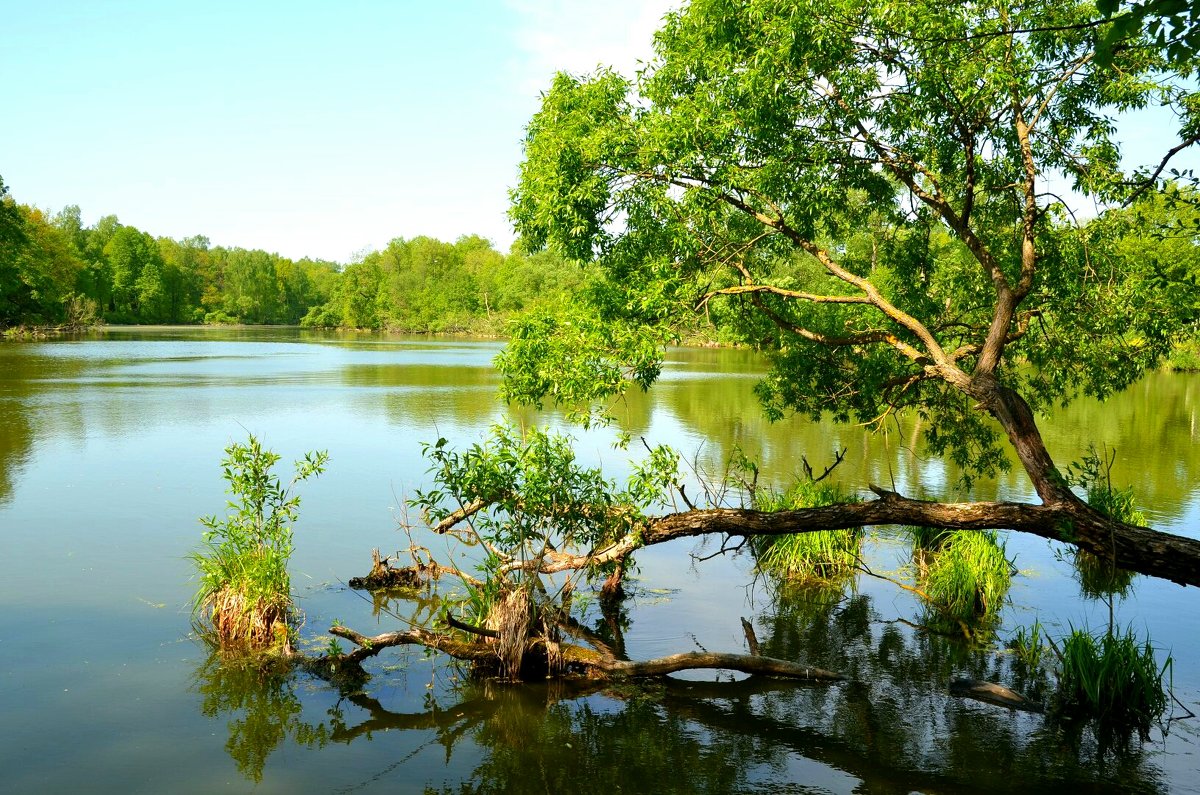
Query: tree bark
1138	549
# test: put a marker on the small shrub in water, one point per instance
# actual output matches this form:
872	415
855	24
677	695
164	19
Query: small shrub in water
968	578
816	555
1113	679
244	599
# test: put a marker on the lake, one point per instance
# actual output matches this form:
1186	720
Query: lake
109	452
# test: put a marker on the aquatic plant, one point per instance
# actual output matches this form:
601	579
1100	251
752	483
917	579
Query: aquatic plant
1030	646
820	555
244	598
1114	679
1098	576
968	577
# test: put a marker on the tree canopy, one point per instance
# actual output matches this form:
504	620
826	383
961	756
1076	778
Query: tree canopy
871	190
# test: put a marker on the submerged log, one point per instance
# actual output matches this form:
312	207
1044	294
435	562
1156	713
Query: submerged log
993	693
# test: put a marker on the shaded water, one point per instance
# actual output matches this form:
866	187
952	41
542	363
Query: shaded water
108	453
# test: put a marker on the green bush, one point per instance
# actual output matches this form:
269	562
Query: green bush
244	598
1185	356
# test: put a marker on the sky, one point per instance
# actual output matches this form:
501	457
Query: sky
319	129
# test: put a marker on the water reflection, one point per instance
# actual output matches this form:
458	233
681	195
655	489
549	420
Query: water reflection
893	727
262	706
16	442
128	379
134	422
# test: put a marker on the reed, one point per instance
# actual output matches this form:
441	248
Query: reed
968	578
816	556
1114	679
1031	646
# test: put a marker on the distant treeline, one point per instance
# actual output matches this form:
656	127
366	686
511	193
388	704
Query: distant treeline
54	271
427	285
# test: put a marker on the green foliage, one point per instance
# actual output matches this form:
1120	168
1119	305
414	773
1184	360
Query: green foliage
425	285
1173	26
599	357
244	596
821	555
1185	356
856	222
537	496
1114	679
968	578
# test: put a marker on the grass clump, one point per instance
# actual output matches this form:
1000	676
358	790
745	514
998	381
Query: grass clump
820	555
244	599
1031	646
1114	679
967	579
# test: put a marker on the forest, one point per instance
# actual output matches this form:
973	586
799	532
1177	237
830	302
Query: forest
56	272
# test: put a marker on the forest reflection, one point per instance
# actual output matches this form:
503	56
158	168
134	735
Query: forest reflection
892	728
704	407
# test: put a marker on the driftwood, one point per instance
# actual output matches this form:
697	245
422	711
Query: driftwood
993	693
383	576
591	662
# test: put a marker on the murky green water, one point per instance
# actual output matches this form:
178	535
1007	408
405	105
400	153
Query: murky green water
108	454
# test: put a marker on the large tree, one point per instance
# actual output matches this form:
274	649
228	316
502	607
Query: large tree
875	188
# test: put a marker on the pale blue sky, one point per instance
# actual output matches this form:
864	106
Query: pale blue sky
307	128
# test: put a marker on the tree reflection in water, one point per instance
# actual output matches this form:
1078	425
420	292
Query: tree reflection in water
892	728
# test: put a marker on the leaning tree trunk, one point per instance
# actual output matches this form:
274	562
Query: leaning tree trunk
1139	549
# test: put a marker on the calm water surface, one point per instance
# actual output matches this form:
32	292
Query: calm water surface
109	451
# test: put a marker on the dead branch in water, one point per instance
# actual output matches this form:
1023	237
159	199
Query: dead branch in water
593	663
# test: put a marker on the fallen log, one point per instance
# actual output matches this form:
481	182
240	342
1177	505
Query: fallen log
592	663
